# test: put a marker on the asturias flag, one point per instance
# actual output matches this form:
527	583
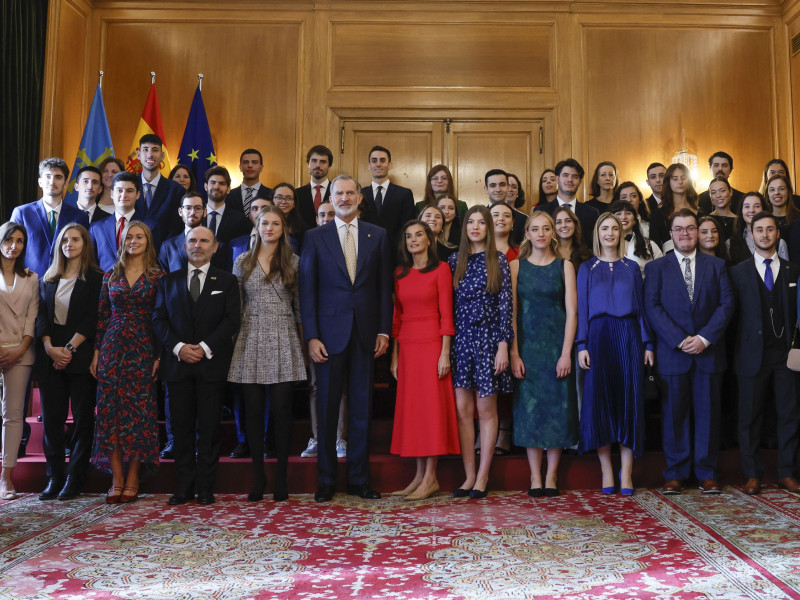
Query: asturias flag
95	144
149	123
197	149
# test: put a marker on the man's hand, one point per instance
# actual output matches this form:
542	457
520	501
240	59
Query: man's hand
317	351
191	353
381	345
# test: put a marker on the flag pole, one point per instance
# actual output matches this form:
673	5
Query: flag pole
101	80
200	82
152	77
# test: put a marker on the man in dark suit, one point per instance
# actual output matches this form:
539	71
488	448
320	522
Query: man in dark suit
720	164
192	211
160	196
655	179
89	185
224	221
346	308
46	217
319	160
689	301
570	175
196	317
495	183
766	290
251	163
385	204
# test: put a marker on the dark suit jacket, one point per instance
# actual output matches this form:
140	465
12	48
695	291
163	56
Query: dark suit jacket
586	215
305	203
104	237
98	215
518	231
236	200
652	203
163	211
40	239
232	224
398	209
214	319
172	255
81	318
329	303
749	345
673	317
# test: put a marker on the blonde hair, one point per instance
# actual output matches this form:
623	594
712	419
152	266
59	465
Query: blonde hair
281	262
59	263
151	266
596	241
526	248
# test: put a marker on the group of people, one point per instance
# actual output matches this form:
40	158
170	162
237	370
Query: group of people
541	324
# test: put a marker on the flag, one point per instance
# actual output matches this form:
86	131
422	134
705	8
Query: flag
95	144
150	122
197	149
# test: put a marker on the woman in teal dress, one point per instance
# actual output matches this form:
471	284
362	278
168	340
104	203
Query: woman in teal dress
545	320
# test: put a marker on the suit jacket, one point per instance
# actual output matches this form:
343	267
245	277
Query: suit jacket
39	246
518	230
97	215
231	225
214	319
329	303
172	255
587	216
749	345
163	211
104	237
305	203
235	199
673	317
398	209
18	311
81	318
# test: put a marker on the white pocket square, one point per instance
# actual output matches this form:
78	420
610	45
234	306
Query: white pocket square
792	285
216	292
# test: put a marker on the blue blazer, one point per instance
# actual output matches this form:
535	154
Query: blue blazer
39	247
673	317
163	210
104	236
172	255
330	305
213	319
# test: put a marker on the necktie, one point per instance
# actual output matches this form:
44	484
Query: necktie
248	199
769	281
148	194
252	241
194	285
52	221
317	197
379	199
350	258
212	222
687	277
121	228
88	214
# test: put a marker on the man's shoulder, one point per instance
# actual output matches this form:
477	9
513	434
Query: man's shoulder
26	209
221	275
370	228
400	190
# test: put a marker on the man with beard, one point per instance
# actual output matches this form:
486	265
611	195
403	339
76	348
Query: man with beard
309	197
570	176
225	222
720	164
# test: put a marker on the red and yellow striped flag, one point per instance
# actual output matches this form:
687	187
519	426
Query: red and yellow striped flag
150	122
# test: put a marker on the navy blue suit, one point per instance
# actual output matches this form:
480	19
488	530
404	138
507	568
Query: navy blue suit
104	236
347	318
163	210
398	209
305	203
691	381
39	246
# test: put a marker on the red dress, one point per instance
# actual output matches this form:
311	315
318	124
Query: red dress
425	413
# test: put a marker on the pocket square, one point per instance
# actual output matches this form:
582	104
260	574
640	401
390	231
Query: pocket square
216	292
792	285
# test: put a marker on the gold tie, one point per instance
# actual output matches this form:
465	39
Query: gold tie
350	258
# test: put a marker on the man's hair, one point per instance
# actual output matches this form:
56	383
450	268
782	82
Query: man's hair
126	176
90	169
150	138
684	212
570	162
192	194
222	171
211	231
380	149
252	151
492	173
654	165
54	163
761	216
721	154
345	177
322	151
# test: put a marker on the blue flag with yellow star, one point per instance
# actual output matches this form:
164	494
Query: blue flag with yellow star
95	145
197	149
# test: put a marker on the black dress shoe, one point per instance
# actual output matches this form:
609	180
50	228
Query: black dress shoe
270	453
461	493
536	492
54	486
178	499
363	491
71	489
205	497
478	494
168	453
324	493
551	492
241	451
22	452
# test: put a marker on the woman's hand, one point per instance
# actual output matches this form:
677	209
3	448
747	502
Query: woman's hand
393	366
156	364
563	366
649	357
583	359
501	358
10	358
61	357
93	366
444	364
517	366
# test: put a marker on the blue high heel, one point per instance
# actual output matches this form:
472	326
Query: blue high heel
608	490
622	490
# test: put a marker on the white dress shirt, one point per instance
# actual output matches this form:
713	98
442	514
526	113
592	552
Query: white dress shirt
341	229
761	266
692	267
202	275
571	203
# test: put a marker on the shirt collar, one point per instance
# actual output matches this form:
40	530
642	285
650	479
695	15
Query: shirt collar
155	181
56	208
561	201
760	259
340	223
127	216
680	256
203	269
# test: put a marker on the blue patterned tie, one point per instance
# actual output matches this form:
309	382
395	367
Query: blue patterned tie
687	277
148	194
212	222
769	281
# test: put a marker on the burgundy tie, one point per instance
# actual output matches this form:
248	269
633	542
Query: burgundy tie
317	197
119	231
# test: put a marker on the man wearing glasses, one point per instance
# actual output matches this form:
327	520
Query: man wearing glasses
688	300
192	212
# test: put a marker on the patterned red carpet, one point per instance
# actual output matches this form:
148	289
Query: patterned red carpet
580	545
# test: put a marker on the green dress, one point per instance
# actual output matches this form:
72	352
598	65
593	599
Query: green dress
545	407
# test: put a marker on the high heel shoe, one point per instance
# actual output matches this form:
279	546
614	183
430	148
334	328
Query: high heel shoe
129	494
114	494
408	490
622	490
422	494
479	494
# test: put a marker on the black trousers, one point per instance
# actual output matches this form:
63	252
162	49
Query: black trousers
255	403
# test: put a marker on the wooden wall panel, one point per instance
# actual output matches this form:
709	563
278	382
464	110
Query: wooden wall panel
792	29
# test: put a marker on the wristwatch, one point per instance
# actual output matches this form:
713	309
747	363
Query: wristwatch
70	347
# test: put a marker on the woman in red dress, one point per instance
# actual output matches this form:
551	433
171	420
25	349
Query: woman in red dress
425	423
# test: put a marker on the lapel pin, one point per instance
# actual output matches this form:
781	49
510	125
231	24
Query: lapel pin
212	278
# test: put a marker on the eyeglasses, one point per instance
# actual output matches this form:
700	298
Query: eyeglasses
197	209
680	230
283	198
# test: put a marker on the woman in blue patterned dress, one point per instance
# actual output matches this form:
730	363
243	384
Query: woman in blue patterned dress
126	360
482	283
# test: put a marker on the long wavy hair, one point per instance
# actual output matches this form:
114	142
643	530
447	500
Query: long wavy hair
405	260
151	266
644	210
441	237
494	278
667	201
641	246
281	264
791	210
765	178
598	248
580	251
5	232
542	199
526	248
59	263
721	251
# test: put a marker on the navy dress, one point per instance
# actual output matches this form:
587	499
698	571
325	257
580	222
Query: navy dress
613	328
482	320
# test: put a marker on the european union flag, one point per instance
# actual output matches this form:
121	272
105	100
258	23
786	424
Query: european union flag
197	149
95	145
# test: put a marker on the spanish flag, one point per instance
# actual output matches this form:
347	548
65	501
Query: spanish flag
150	122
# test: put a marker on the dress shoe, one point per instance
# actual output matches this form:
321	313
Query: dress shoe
752	487
178	499
54	486
280	496
257	491
608	490
363	491
129	494
241	451
461	493
422	493
324	493
478	494
536	492
23	451
623	490
790	484
113	495
551	492
71	489
168	453
710	486
672	487
205	497
270	453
